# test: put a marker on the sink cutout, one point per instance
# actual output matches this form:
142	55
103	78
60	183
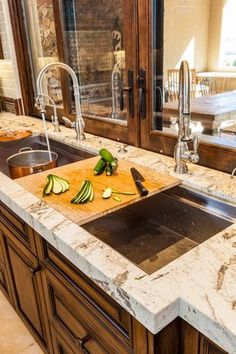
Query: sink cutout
66	154
156	231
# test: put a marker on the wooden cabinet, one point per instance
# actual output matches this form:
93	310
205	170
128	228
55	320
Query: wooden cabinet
17	227
67	313
26	287
4	269
207	347
180	337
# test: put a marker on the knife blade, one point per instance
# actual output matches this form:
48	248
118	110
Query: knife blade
138	179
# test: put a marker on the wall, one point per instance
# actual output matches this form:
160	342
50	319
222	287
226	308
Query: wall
186	33
9	80
215	24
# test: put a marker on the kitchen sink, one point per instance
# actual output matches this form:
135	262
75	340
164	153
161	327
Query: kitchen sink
159	229
66	154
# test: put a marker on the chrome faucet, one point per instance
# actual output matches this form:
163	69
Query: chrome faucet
79	122
39	103
182	154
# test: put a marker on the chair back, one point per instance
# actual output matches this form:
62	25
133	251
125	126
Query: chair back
173	83
208	86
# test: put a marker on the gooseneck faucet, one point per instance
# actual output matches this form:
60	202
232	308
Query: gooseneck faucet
79	122
182	154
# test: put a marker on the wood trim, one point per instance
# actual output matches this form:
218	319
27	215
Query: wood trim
19	108
1	49
22	55
211	155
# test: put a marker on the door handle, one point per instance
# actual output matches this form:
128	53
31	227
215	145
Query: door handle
142	93
130	90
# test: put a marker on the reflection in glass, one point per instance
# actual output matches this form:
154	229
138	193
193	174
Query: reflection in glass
200	32
95	48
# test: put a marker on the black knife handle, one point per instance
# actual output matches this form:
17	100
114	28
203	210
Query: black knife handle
141	189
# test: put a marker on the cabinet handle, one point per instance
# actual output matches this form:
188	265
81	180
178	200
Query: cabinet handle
142	93
130	90
82	341
34	270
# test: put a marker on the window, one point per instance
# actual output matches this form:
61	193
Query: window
228	35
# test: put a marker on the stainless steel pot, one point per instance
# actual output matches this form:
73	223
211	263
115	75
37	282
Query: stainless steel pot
27	162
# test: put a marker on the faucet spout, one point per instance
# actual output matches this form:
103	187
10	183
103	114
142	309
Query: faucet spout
182	153
79	122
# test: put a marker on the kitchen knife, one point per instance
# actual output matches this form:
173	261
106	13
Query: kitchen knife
138	179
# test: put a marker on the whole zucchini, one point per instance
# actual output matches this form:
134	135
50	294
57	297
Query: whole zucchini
106	155
100	167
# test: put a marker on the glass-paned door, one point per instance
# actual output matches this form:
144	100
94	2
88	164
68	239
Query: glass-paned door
96	51
98	39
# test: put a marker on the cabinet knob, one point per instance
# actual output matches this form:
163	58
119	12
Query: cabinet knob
34	270
82	341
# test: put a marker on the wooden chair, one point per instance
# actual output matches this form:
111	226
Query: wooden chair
173	83
208	86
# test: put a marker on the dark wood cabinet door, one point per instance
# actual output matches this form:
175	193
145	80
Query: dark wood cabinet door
207	347
4	269
60	346
27	290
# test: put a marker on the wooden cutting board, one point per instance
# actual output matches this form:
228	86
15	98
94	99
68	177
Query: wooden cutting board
76	172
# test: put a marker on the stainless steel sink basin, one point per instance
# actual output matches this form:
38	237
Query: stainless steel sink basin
157	230
66	154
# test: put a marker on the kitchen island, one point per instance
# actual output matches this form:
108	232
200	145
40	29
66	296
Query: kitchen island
198	287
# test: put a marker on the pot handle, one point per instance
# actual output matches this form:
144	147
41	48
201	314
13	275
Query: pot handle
27	148
38	169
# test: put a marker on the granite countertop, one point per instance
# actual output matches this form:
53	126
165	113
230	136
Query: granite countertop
199	286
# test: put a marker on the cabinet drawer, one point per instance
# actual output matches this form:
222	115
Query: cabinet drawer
62	344
71	314
18	227
120	321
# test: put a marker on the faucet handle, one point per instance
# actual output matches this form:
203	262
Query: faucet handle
68	122
193	154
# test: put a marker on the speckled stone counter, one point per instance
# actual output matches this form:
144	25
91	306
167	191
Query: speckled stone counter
200	286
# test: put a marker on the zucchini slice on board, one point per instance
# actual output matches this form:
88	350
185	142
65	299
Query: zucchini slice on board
48	188
107	193
56	185
85	194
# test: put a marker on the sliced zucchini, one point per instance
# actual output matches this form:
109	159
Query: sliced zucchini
64	182
81	191
91	197
57	187
118	199
63	186
85	193
48	188
107	193
124	193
